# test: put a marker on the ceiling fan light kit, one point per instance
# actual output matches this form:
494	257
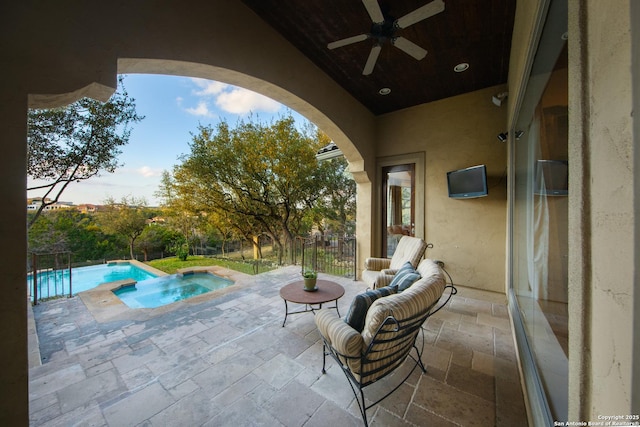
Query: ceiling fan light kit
383	30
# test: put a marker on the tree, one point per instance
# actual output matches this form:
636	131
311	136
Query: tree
335	211
47	236
226	230
260	178
69	230
155	237
77	142
127	218
180	213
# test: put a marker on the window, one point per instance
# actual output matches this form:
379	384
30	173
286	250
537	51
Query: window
539	224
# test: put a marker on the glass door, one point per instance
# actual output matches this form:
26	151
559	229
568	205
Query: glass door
398	205
539	227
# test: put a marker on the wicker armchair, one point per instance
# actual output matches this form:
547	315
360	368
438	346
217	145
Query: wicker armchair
378	272
390	330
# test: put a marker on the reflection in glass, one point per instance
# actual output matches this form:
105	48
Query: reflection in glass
398	207
540	226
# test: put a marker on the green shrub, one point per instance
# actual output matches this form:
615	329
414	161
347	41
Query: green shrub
182	252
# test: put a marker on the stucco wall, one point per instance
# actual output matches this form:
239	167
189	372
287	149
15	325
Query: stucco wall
454	133
602	91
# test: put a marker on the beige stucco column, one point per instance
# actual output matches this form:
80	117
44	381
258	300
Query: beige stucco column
635	73
601	210
364	222
14	409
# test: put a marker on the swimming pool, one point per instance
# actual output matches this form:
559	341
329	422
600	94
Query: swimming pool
164	290
55	283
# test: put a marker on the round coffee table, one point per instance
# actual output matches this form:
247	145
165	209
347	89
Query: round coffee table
294	292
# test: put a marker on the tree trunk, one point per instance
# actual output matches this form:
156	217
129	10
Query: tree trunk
288	241
257	250
280	250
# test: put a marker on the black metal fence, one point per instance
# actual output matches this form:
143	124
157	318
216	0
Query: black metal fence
327	254
49	275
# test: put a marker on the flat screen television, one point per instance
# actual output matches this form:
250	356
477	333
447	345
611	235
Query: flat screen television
468	183
552	178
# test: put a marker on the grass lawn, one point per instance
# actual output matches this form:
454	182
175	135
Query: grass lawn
173	264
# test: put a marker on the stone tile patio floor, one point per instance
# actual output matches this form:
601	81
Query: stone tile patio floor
227	361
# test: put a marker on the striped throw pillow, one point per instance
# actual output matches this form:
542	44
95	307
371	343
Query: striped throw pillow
403	279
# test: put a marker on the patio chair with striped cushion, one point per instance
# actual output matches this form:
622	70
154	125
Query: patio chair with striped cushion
378	272
390	333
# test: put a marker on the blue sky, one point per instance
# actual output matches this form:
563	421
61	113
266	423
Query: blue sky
173	107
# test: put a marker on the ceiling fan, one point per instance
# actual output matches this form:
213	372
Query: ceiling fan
383	29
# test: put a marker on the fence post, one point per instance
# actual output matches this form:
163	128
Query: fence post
34	274
355	258
302	245
315	253
70	281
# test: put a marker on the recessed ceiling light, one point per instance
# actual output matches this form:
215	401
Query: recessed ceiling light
463	66
384	91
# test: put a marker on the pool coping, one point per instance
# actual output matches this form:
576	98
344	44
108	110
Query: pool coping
105	306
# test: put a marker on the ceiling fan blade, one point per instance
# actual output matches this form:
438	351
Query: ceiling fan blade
410	48
371	61
348	40
373	8
424	12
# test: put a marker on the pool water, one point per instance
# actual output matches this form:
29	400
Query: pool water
164	290
52	283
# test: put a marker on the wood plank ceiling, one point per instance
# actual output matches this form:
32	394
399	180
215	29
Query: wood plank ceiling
477	32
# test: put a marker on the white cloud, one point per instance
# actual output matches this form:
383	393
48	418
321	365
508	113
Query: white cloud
243	101
148	172
201	110
208	87
230	99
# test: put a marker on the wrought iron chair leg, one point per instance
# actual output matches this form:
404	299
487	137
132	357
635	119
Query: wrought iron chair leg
420	351
324	357
419	361
362	405
286	313
363	408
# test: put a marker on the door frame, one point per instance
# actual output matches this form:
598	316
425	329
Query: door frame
418	160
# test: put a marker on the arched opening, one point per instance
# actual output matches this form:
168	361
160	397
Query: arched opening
324	120
180	70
